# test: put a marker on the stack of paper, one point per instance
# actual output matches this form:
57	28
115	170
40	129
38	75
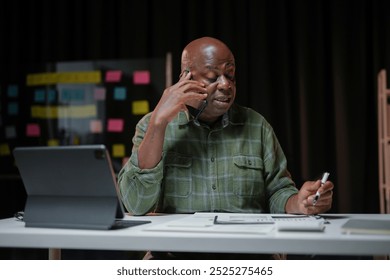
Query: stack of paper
366	226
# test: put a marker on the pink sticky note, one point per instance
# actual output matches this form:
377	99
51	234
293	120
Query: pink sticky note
141	77
115	125
95	126
113	76
33	130
100	93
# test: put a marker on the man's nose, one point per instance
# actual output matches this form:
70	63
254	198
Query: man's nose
223	83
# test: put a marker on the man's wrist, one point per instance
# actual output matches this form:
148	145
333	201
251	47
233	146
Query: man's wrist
292	204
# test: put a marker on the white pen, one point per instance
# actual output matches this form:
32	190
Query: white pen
325	177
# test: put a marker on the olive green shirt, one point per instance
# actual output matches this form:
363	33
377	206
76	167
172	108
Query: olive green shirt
235	166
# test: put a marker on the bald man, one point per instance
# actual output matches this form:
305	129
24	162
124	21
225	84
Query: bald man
200	151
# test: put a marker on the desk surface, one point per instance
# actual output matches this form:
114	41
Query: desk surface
332	241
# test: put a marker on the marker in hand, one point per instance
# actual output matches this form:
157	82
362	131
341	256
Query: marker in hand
325	177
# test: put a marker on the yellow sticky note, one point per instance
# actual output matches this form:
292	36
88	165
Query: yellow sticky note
118	150
53	142
4	150
51	112
51	78
41	79
81	111
140	107
36	111
44	112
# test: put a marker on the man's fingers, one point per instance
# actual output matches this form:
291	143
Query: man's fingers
185	75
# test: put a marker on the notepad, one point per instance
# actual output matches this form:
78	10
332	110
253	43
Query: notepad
366	226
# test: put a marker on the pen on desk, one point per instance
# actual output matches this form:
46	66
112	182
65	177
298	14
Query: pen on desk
324	178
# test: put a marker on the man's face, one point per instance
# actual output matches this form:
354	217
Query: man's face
215	68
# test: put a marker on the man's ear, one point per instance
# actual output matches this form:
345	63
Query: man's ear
185	72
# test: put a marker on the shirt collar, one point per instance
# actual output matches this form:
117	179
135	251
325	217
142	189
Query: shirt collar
234	117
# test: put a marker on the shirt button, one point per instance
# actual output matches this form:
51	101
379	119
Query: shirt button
214	187
212	159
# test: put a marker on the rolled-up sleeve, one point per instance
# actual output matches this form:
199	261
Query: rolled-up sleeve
280	186
139	188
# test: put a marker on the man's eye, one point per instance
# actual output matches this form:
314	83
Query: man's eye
231	78
211	80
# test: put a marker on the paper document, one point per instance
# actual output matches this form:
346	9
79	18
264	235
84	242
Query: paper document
366	226
204	222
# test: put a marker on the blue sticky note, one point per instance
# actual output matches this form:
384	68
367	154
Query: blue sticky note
12	91
65	95
70	94
78	94
39	95
119	93
13	108
51	95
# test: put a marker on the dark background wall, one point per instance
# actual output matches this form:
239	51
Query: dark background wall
309	66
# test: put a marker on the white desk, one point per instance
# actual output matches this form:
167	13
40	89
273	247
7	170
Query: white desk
14	234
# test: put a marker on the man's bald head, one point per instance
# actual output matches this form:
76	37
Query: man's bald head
203	49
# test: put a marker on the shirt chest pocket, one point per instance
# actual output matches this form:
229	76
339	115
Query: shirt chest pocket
247	175
177	175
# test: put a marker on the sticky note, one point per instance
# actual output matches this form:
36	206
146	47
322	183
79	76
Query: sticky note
141	77
95	126
63	77
44	112
4	149
140	107
72	94
115	125
53	112
79	77
80	111
13	108
53	142
120	93
113	76
78	94
39	95
42	79
51	95
33	130
118	150
12	91
65	95
99	93
10	132
76	140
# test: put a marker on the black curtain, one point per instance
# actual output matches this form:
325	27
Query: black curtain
309	66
